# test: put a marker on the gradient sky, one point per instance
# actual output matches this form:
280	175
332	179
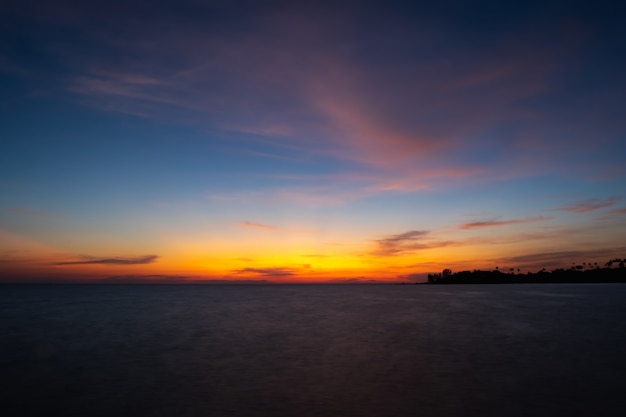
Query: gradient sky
164	141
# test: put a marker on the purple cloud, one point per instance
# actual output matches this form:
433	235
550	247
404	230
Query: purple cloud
407	242
270	272
88	260
493	223
260	226
590	204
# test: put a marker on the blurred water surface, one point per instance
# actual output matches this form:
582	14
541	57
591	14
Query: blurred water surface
313	350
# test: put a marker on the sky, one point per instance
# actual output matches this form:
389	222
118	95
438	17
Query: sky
288	142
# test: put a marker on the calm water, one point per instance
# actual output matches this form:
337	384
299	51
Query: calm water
508	350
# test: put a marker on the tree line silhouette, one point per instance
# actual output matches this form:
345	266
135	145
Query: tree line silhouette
612	271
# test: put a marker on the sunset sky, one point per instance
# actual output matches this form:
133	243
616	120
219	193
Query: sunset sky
279	141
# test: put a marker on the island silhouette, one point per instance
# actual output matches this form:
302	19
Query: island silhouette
611	272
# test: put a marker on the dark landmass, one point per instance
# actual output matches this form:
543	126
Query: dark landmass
613	271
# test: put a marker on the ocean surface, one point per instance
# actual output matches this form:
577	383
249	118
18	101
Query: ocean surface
313	350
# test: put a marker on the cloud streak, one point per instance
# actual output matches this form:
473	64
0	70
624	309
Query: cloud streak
394	245
268	272
88	260
590	204
260	226
498	223
403	237
308	81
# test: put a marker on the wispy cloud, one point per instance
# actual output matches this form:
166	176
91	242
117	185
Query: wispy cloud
590	204
337	189
356	280
403	237
268	272
413	240
302	73
89	260
310	196
260	226
387	116
495	223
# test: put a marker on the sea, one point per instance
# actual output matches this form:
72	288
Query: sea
313	350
